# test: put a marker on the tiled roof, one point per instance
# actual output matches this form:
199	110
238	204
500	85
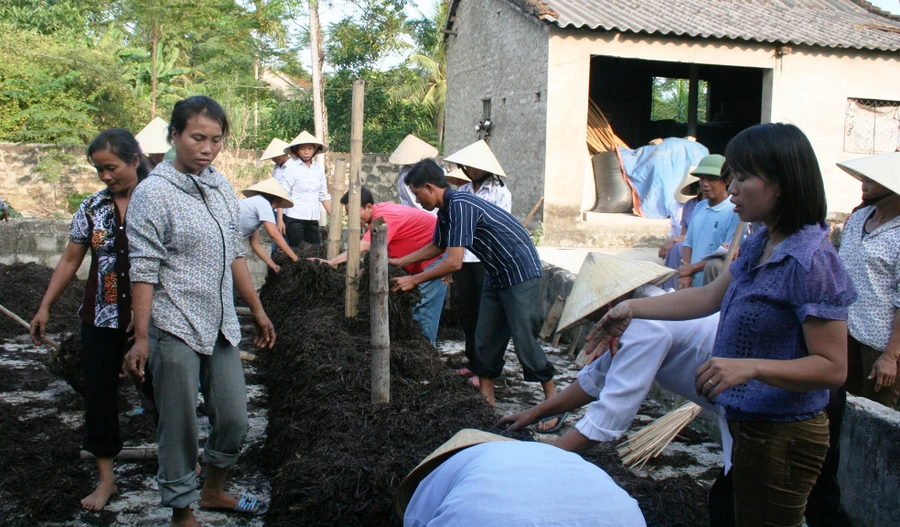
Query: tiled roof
853	24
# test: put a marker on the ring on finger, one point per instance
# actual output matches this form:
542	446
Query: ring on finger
710	382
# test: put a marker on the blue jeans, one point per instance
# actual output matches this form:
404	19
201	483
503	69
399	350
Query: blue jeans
431	304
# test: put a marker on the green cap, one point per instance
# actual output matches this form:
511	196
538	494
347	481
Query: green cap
710	166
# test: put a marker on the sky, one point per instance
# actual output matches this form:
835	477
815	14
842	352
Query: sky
888	5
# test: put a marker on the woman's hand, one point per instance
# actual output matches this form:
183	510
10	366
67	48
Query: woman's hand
884	371
717	375
38	327
136	359
684	282
605	333
666	247
265	331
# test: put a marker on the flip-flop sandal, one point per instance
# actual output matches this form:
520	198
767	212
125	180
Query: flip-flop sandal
463	371
475	381
554	428
246	505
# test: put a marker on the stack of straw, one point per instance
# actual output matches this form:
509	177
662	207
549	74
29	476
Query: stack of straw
650	441
600	135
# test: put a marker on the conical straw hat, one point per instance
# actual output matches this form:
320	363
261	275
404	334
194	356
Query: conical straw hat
682	191
306	138
602	279
463	439
271	187
477	155
883	169
275	149
412	150
458	174
154	137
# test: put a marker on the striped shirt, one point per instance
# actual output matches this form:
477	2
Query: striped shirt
492	234
491	190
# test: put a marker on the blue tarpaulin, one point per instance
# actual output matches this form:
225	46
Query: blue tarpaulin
655	170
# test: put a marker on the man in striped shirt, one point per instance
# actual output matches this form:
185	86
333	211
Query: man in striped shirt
510	303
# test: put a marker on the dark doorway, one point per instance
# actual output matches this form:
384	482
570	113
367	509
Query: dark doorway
729	99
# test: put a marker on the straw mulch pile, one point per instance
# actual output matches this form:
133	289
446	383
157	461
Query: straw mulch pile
336	458
22	287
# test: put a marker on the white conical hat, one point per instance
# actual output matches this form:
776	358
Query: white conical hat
602	279
477	155
306	138
271	187
412	150
457	174
275	149
682	191
462	439
154	137
883	169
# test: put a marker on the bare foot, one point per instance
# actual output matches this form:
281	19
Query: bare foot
97	499
216	500
183	518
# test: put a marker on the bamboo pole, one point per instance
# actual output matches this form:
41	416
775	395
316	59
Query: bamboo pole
26	325
378	314
334	222
735	242
533	211
356	134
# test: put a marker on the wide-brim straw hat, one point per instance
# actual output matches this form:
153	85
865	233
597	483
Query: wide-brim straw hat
276	148
710	166
271	187
683	190
154	137
306	138
477	155
461	440
602	279
883	169
459	175
412	150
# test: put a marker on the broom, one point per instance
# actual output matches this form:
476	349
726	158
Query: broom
650	441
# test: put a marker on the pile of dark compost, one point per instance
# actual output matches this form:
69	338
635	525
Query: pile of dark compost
22	287
335	458
41	475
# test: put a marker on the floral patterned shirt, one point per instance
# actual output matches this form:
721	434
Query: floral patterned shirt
107	293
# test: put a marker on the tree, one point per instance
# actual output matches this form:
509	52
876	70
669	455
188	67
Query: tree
670	100
428	88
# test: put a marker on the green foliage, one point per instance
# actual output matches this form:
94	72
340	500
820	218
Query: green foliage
670	100
74	199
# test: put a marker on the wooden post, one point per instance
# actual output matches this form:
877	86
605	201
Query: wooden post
378	314
735	242
356	134
334	222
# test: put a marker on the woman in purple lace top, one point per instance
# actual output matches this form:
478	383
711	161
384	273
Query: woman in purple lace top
781	342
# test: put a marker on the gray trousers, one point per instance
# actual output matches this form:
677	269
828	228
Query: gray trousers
712	269
177	369
511	312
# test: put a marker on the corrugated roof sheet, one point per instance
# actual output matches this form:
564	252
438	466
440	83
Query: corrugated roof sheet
853	24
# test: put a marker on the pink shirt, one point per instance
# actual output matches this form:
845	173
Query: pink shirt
409	229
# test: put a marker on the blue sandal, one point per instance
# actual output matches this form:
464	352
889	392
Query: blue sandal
554	428
245	505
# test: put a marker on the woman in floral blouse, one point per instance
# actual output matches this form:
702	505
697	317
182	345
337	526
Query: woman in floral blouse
99	226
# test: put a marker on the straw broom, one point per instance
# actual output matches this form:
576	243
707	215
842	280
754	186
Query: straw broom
650	441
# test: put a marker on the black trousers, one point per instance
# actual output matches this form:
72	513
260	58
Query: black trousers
102	352
469	281
823	507
299	231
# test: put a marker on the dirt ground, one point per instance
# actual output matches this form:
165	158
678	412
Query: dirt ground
41	422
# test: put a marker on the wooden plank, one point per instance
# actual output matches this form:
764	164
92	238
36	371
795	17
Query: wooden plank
552	318
379	290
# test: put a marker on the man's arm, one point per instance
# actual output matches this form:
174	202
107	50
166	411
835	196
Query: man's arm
425	253
364	246
262	253
571	398
449	265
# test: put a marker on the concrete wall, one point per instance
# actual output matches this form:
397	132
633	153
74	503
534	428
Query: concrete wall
500	54
24	188
870	457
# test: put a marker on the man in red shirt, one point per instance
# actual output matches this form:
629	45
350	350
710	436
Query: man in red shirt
409	229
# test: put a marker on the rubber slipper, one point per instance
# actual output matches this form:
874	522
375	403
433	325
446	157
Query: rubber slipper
463	371
475	381
554	428
246	505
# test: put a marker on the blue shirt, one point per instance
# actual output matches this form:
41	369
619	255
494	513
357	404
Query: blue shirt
492	234
762	315
708	229
511	483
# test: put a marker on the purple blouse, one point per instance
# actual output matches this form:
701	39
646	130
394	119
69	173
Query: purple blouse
762	315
